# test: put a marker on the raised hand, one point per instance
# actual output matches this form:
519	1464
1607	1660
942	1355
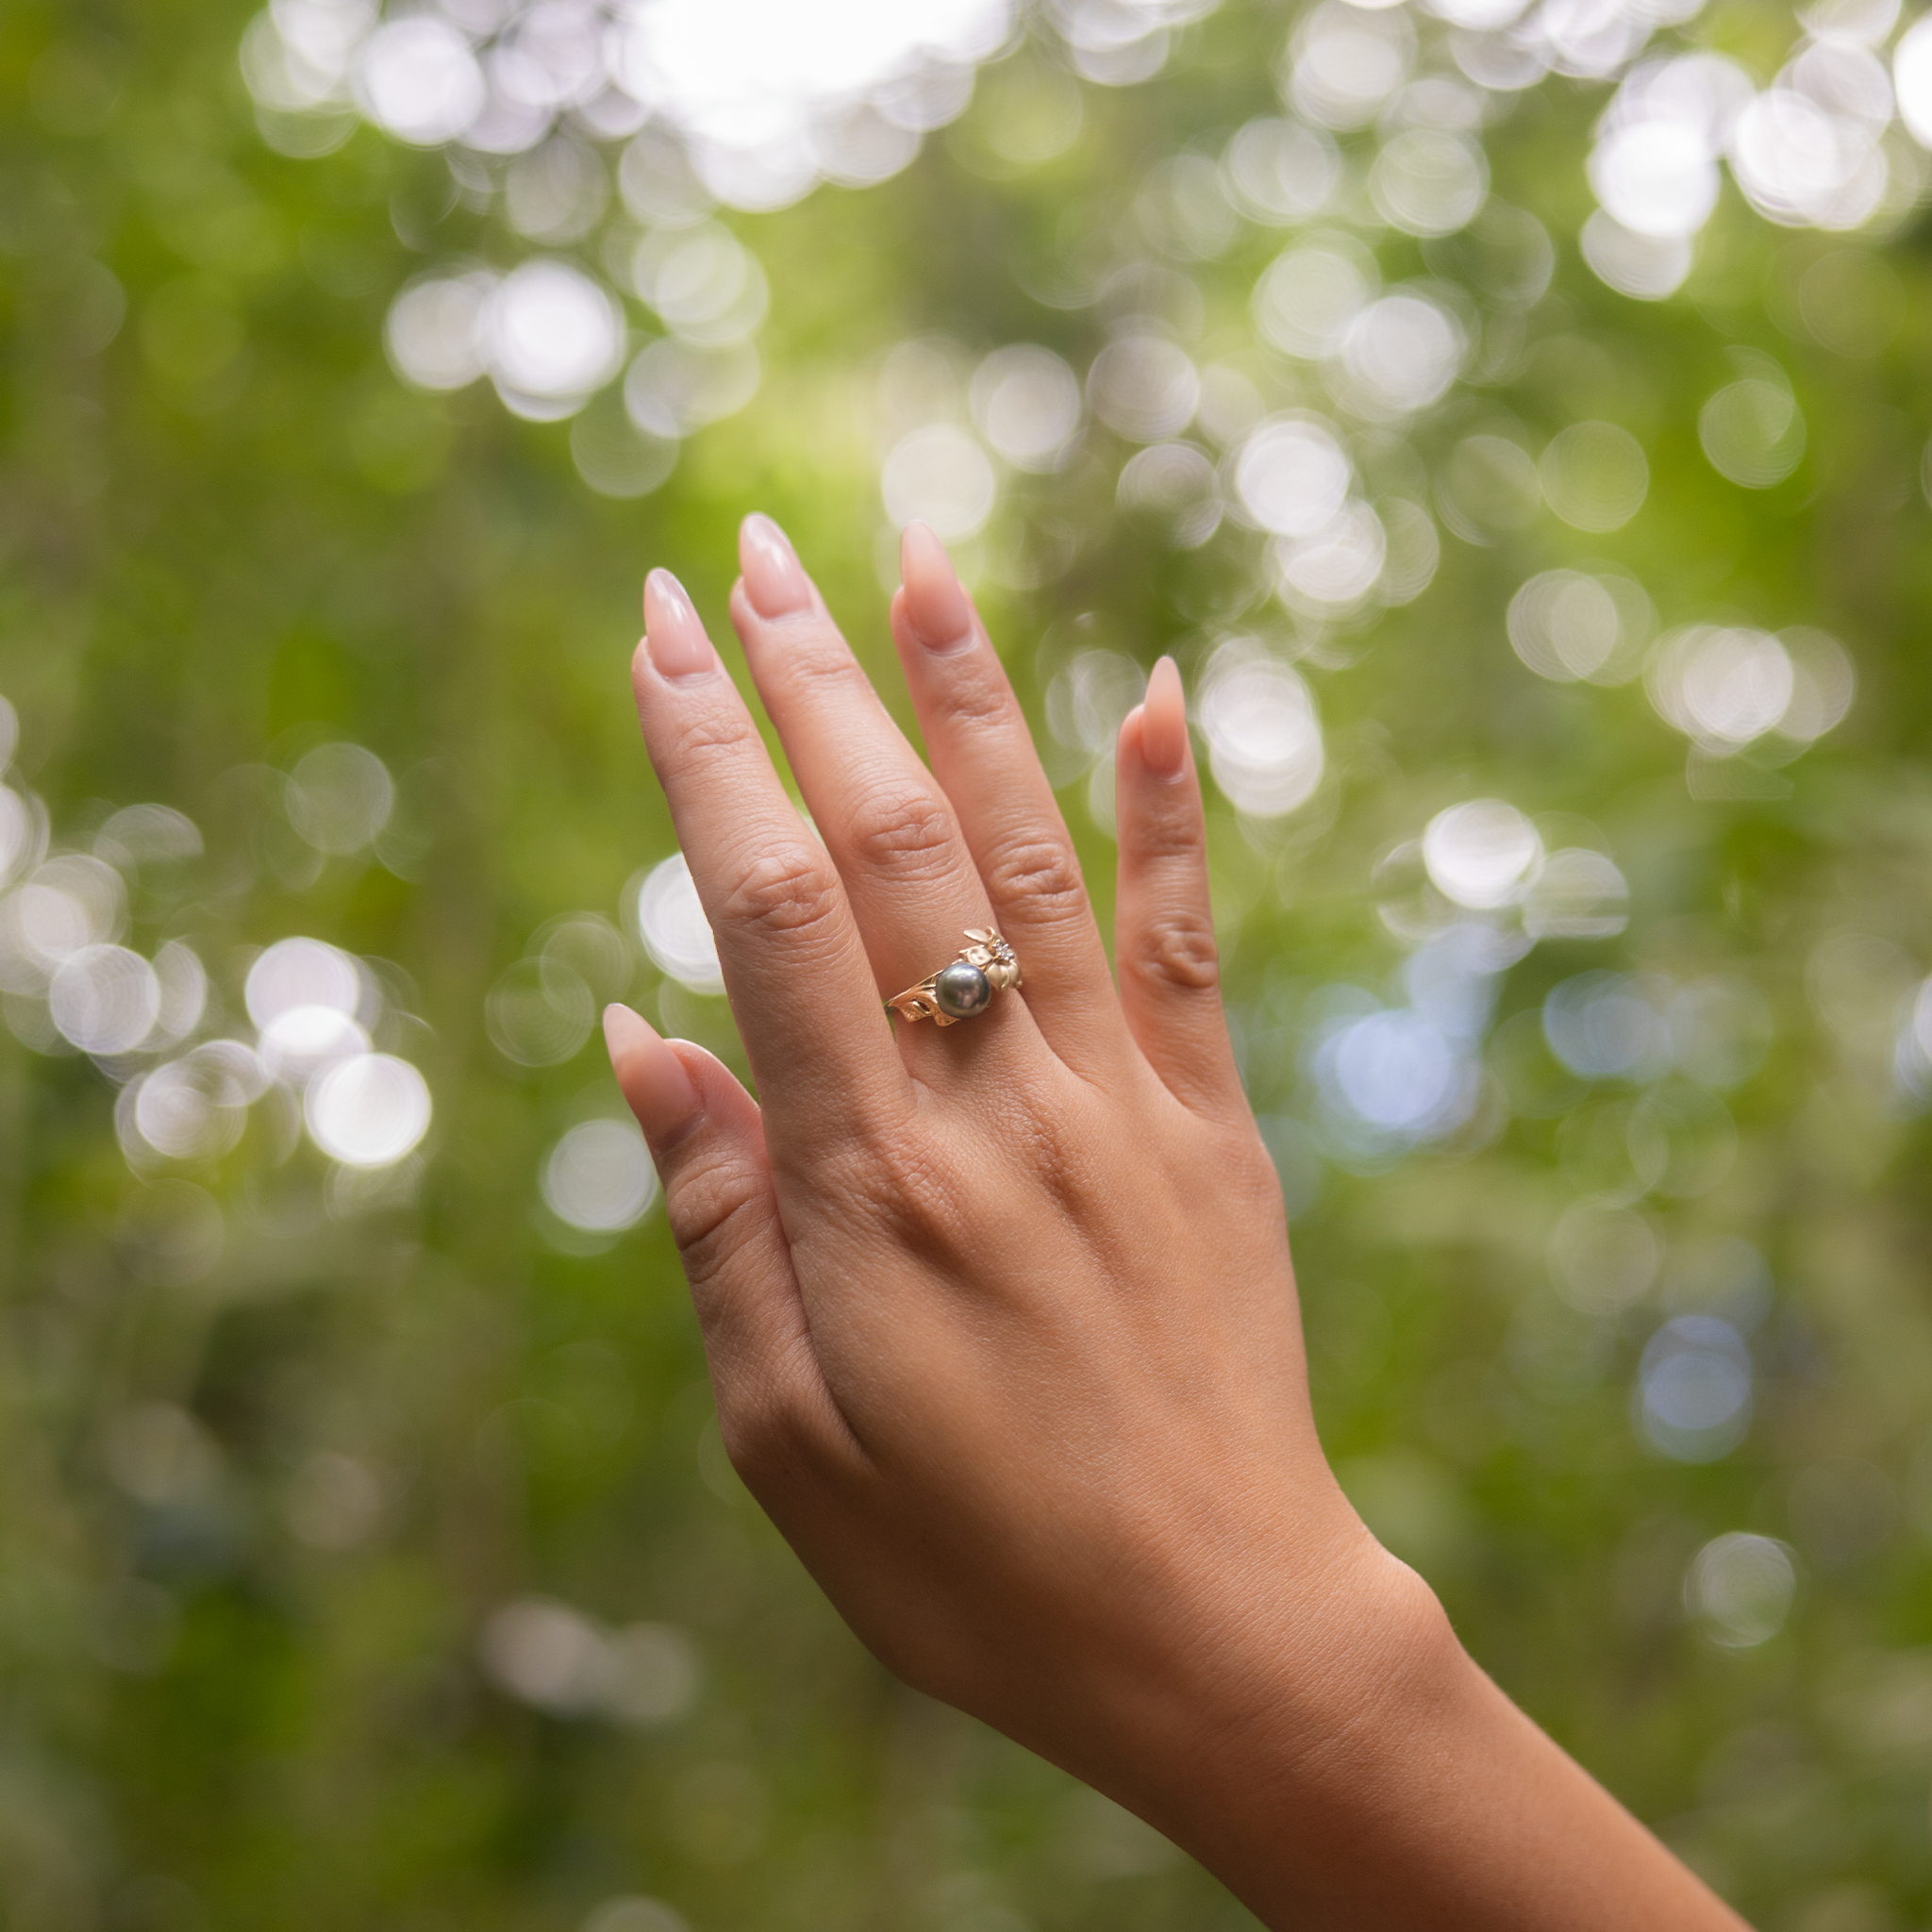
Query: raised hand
1000	1316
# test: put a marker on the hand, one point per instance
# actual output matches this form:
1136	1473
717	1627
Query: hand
1001	1318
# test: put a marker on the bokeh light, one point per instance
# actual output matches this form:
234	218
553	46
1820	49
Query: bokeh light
1426	182
1567	624
1740	1588
1725	686
548	1655
1281	171
1144	386
1393	1077
540	1012
104	999
632	1912
68	903
433	334
1609	1025
300	1042
304	973
1484	855
599	1177
1089	699
674	387
1347	62
1595	475
1913	1050
1577	893
702	282
1399	354
1310	294
1603	1255
1291	476
194	1108
1648	268
1264	739
1488	488
1753	431
417	79
1177	485
674	928
368	1109
1026	403
340	797
550	335
1693	1390
940	476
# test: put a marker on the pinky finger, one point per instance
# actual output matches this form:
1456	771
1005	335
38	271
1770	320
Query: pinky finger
706	1136
1164	949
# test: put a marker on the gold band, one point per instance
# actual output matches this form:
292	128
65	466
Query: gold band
964	987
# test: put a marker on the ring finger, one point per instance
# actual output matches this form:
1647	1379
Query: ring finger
890	832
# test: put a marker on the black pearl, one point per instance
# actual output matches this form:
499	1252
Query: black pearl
961	991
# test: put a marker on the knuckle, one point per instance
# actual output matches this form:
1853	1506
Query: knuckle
901	1187
902	829
1169	837
792	892
818	655
977	700
1181	952
707	736
715	1214
1042	875
1243	1156
1254	1182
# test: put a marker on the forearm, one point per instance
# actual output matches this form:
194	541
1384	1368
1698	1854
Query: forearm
1390	1783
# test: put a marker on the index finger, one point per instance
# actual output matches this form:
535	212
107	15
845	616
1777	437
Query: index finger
800	985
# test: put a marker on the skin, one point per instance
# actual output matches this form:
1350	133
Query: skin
1002	1320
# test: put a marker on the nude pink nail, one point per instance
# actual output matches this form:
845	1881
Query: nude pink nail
937	606
774	580
1164	722
678	646
657	1083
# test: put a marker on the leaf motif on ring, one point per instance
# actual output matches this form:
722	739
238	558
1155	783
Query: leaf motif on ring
918	1002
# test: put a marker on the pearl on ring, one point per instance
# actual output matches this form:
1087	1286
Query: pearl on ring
961	989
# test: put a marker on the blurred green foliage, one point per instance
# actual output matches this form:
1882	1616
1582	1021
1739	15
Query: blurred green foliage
279	1446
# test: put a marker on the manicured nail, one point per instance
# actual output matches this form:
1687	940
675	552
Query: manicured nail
937	606
661	1093
679	647
1164	722
774	580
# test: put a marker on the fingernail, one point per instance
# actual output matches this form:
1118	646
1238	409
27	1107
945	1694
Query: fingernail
661	1093
774	580
1164	722
679	647
937	606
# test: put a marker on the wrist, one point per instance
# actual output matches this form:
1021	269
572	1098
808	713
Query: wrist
1281	1689
1367	1773
1312	1712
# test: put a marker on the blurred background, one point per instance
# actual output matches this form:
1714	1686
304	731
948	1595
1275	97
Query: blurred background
1514	415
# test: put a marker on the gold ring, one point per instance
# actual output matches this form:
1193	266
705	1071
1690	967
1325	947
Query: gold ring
958	992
